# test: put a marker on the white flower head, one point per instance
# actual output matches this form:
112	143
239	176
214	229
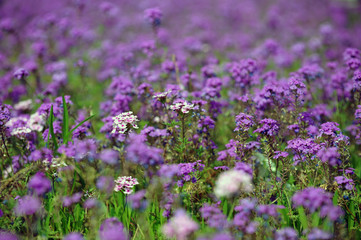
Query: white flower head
37	122
231	182
20	132
183	107
162	96
124	122
125	184
24	105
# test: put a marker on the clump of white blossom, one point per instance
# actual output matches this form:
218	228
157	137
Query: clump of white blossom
124	122
182	107
37	122
24	105
231	182
55	163
162	96
125	184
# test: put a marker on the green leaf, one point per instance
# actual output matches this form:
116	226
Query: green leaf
303	217
78	125
286	218
51	128
315	219
335	198
65	121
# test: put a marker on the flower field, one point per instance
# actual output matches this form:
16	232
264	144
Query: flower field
199	120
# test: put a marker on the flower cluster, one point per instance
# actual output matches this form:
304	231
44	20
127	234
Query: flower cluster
315	199
268	127
214	216
125	184
186	171
244	122
153	16
182	107
139	152
231	182
180	226
124	122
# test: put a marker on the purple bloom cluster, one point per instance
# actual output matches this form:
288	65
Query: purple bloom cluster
186	171
27	205
268	127
112	229
244	122
139	152
214	216
40	183
315	199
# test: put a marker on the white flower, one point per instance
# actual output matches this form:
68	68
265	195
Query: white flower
124	122
231	182
183	107
24	105
37	122
20	131
55	163
125	184
162	95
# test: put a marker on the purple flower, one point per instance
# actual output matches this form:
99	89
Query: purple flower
244	122
214	216
105	184
40	183
153	16
137	200
246	167
180	226
315	199
109	156
329	129
139	152
330	156
112	229
345	182
4	114
7	236
186	171
305	147
311	72
70	200
242	72
206	123
73	236
268	127
294	127
286	234
279	154
358	113
21	74
270	210
90	203
27	205
318	234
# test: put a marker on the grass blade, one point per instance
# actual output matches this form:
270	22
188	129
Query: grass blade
78	125
303	218
65	121
51	128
